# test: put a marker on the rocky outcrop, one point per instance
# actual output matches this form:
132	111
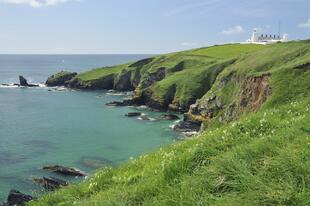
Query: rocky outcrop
160	104
142	62
50	183
122	81
105	82
60	79
251	93
254	92
177	68
116	104
153	77
69	171
135	77
24	83
16	198
187	126
169	117
304	66
133	114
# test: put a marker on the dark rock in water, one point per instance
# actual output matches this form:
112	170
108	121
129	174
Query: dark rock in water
69	171
23	81
50	183
5	85
7	158
187	126
60	79
39	147
116	104
133	114
132	101
95	162
17	198
169	117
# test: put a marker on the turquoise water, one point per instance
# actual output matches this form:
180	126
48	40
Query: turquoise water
40	127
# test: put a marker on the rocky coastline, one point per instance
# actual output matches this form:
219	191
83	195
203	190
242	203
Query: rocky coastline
123	82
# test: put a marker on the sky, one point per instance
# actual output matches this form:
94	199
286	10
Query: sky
142	26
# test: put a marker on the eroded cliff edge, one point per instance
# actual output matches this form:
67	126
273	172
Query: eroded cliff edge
218	83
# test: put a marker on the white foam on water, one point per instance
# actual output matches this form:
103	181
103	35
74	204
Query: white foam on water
174	124
8	86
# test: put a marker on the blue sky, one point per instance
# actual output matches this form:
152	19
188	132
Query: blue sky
141	26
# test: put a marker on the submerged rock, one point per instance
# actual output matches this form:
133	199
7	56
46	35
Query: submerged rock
69	171
7	158
169	117
17	198
95	162
50	183
116	104
133	114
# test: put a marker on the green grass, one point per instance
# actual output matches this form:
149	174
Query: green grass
100	72
227	51
259	159
195	70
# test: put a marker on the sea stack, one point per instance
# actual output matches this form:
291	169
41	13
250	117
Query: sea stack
23	81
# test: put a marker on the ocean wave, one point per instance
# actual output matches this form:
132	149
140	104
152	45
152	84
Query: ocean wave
144	117
8	86
118	93
39	86
172	126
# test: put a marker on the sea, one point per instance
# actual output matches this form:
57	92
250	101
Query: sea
43	126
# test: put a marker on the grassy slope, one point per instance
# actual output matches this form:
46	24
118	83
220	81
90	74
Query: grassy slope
261	159
280	61
197	66
100	72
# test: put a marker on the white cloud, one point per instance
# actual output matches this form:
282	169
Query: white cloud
36	3
234	30
305	25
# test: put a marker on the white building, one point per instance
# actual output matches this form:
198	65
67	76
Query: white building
265	39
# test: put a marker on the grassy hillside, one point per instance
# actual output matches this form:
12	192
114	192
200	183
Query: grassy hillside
255	105
174	80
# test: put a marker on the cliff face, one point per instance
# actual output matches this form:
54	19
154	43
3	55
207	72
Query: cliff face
216	83
232	97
